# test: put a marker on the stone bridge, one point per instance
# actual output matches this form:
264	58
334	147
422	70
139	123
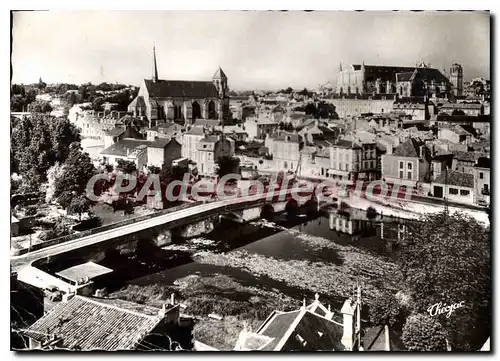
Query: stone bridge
188	222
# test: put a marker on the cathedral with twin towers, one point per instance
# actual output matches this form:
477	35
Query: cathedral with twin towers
420	80
181	101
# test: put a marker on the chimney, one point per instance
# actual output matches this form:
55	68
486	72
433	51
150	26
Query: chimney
422	151
348	311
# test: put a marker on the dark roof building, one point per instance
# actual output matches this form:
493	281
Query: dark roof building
454	178
87	324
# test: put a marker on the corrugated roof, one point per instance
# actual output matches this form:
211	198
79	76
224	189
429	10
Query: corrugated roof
181	88
91	324
455	178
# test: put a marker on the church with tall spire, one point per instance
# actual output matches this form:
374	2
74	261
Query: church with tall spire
181	101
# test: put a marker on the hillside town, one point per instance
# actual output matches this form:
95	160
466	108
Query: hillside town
390	124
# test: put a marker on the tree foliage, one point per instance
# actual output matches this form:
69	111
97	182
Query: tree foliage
446	258
38	142
424	333
40	106
78	169
385	310
126	166
227	165
79	205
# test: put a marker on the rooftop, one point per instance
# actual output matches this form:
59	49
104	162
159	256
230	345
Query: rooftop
181	88
89	270
96	324
126	146
455	178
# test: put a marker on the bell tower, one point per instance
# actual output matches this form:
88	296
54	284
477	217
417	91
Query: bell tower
220	82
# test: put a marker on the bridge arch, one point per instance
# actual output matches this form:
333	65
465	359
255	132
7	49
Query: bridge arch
292	209
267	212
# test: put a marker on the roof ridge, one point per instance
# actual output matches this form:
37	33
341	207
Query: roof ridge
88	299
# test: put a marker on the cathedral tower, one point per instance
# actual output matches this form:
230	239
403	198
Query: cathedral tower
457	79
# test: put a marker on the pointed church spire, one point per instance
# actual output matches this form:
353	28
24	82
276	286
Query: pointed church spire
340	68
155	68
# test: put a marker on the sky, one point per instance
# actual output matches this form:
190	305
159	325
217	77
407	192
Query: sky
256	49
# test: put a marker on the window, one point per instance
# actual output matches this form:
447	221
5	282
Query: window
300	339
409	175
453	191
464	192
409	165
291	165
401	174
401	166
480	175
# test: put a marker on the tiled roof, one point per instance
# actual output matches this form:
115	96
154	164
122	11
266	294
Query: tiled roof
342	143
92	324
455	178
409	148
123	146
181	88
386	72
467	156
162	142
196	130
462	106
285	137
207	122
305	322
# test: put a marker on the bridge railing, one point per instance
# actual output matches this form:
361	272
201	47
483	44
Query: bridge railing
107	227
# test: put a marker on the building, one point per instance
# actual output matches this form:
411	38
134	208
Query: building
189	141
258	128
455	186
465	161
128	149
182	101
345	160
482	185
163	151
410	162
470	109
164	130
94	124
313	327
457	79
285	148
318	131
235	132
414	110
361	79
352	105
455	134
208	150
100	324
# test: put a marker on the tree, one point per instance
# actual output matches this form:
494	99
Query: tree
289	90
385	310
423	333
326	111
97	104
126	166
310	109
227	165
38	142
79	205
40	106
78	169
304	92
154	169
446	258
